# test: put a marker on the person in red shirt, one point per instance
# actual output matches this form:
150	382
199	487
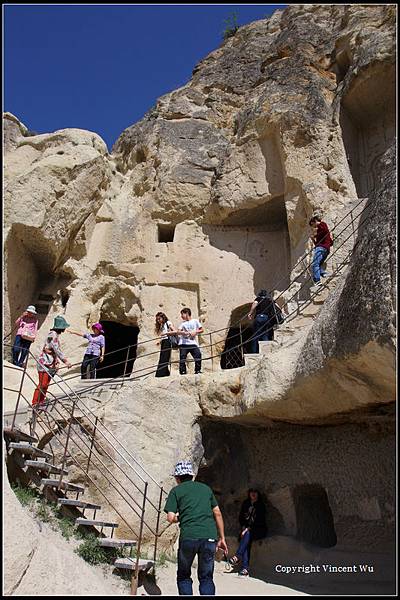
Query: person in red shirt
323	241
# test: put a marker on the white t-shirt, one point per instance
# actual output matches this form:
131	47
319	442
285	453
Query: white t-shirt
164	330
190	326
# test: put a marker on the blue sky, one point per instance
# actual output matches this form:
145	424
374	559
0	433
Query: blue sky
102	67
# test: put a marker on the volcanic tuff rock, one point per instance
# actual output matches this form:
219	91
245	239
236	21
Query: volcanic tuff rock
203	202
283	119
38	561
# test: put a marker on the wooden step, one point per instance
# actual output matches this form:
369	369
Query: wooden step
65	485
44	466
130	563
27	448
95	523
115	542
78	504
18	436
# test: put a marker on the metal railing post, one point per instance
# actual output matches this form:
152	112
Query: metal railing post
157	526
241	342
91	445
19	392
212	353
135	574
126	362
352	226
66	445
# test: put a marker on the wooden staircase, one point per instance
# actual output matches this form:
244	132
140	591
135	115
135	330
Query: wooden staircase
32	460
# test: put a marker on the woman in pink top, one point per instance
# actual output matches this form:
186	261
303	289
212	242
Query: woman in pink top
27	325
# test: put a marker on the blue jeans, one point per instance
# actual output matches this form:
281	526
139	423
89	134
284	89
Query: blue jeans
320	254
91	361
205	551
184	350
20	350
263	331
244	550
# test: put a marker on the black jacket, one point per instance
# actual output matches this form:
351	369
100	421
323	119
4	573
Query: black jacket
269	308
253	517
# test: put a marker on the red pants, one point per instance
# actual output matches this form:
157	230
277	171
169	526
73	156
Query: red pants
39	395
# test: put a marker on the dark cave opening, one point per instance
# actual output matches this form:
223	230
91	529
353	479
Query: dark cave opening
118	358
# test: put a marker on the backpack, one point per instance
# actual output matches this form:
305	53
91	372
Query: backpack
278	315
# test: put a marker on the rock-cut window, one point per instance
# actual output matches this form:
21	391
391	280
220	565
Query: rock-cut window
166	232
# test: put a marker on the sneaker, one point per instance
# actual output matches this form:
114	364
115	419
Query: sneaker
198	372
243	573
316	286
325	274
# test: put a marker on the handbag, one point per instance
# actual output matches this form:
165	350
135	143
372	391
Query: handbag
28	338
174	339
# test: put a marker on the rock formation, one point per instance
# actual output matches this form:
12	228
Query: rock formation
200	204
37	562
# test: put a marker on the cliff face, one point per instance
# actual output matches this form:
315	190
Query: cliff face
289	116
205	201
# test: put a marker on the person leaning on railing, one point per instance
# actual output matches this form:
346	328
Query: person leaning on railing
48	361
94	352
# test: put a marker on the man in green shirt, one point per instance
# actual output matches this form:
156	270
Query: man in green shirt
192	504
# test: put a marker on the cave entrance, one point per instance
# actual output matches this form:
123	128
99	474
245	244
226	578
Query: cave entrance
30	278
314	516
118	359
237	340
368	123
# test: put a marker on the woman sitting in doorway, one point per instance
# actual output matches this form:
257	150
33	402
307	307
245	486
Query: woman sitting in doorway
94	352
253	527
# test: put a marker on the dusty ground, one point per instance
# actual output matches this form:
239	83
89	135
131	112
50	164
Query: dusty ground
227	584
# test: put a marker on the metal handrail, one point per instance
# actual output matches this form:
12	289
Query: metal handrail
104	470
291	314
102	463
58	400
276	286
89	410
204	346
93	482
